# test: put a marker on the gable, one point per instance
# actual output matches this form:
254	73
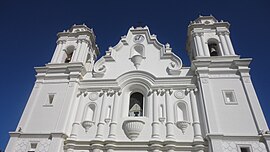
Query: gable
138	50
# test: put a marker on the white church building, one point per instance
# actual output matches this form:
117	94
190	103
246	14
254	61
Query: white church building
139	97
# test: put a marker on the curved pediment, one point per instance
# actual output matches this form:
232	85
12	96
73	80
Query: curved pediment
138	50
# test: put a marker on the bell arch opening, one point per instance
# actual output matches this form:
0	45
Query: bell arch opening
213	47
68	53
136	104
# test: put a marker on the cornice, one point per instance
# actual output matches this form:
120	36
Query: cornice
122	145
38	135
137	77
60	71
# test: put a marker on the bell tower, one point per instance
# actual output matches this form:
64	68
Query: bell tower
76	45
51	106
208	37
228	102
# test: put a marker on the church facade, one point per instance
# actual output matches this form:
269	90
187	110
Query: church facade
139	97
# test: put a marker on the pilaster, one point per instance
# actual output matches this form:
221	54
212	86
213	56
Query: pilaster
113	124
169	114
223	43
155	123
101	123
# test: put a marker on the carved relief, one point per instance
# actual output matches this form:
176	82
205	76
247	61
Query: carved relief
229	146
93	96
179	94
133	128
23	145
43	146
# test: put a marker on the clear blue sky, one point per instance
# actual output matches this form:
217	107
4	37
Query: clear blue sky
28	33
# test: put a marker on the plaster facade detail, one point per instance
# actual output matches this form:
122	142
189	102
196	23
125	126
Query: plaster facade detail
140	97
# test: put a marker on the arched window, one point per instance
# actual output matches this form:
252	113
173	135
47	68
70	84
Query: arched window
136	104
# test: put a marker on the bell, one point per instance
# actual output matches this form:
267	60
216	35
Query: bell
213	50
68	59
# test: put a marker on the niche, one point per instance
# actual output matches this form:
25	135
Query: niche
137	54
90	112
181	112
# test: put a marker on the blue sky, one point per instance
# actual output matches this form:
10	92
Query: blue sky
29	28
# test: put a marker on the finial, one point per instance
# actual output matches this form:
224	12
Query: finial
167	45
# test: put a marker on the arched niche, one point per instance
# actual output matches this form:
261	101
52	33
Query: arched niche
134	103
181	111
137	49
213	47
89	112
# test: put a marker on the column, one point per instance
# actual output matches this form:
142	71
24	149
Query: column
82	51
229	43
205	49
223	43
61	54
76	124
100	129
57	51
77	51
155	124
148	104
195	115
198	44
112	132
169	114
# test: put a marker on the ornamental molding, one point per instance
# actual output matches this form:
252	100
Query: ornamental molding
174	67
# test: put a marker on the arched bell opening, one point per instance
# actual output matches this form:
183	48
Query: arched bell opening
136	104
213	47
68	53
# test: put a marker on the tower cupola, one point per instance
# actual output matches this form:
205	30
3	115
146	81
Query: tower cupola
78	44
208	37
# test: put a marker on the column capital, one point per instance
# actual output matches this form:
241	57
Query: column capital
223	32
60	42
169	90
188	90
197	34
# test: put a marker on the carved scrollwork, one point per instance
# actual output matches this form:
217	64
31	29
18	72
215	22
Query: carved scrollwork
99	68
174	68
